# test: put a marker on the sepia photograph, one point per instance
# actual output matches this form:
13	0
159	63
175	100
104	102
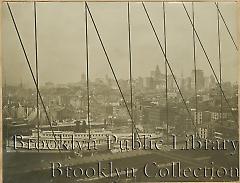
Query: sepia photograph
120	91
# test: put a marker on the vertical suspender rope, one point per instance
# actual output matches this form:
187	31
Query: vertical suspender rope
194	62
87	64
36	67
220	62
166	67
130	64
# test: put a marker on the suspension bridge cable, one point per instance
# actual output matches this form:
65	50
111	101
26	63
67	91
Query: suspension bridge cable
130	62
166	67
194	60
36	69
31	71
175	80
220	61
225	23
111	67
208	60
87	64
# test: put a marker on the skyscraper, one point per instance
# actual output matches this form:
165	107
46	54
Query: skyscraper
199	79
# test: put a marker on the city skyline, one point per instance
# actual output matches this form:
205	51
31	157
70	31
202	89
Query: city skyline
200	74
59	45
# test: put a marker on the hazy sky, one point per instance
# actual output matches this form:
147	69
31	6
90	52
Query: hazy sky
61	40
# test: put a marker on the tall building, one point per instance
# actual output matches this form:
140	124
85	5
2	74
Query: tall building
199	79
157	73
209	82
212	82
149	82
156	79
201	117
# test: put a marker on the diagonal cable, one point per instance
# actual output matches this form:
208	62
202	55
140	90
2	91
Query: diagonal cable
166	59
31	71
111	67
208	60
225	23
